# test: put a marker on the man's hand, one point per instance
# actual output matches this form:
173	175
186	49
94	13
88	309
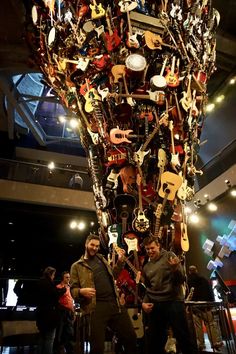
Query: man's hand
174	261
87	292
121	255
147	307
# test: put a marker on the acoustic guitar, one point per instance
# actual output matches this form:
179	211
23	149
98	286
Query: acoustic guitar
170	183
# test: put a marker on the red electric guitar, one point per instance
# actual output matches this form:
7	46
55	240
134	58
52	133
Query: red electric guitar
111	38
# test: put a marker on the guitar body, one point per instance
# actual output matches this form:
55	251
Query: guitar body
182	192
91	96
117	157
118	136
172	79
170	183
137	321
184	237
102	62
186	101
132	41
142	7
141	222
114	234
118	71
124	205
127	5
124	280
140	154
152	40
112	41
81	38
128	177
97	11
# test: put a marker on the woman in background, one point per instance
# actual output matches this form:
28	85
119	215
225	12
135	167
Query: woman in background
47	313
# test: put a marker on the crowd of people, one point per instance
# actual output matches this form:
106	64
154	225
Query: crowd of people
91	283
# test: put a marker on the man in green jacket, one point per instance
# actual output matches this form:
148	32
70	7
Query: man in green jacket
93	286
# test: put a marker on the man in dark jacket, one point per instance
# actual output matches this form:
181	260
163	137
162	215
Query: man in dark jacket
163	303
93	286
202	291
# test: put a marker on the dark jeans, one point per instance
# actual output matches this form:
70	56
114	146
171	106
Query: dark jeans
46	340
65	332
163	316
107	315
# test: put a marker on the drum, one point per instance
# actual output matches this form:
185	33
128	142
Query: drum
157	82
34	14
135	66
51	36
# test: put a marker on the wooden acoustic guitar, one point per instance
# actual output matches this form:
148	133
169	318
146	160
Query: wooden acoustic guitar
170	183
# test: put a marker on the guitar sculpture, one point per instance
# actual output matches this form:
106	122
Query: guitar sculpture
134	74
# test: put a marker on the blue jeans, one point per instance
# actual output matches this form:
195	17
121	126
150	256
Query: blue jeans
46	340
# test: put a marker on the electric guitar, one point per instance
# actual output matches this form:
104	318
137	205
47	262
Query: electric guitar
172	77
174	156
141	222
117	156
119	136
141	153
97	11
111	38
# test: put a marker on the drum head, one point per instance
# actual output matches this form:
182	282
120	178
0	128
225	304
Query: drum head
34	13
157	82
51	36
136	63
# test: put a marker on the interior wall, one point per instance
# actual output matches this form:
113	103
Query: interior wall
211	225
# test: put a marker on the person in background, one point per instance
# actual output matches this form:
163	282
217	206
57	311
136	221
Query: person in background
25	291
47	312
65	329
93	286
163	303
203	292
76	181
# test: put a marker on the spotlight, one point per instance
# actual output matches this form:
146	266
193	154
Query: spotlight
212	207
194	219
233	192
228	184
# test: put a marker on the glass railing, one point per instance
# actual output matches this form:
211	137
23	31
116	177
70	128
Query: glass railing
28	172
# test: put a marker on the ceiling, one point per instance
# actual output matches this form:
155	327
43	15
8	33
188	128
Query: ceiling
46	226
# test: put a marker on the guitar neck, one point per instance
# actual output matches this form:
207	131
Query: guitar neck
127	261
155	130
172	140
129	23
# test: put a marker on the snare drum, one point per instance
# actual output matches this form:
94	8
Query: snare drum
135	66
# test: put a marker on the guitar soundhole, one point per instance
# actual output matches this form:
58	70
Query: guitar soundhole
124	214
167	190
